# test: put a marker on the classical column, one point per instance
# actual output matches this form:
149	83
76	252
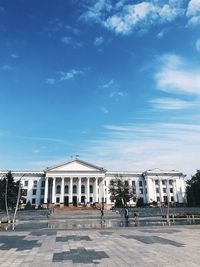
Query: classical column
174	191
53	190
79	190
46	190
96	190
62	190
88	190
70	190
161	191
168	192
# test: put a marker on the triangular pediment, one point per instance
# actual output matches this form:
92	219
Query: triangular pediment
76	166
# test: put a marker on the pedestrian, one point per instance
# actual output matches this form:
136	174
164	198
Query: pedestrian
101	213
126	215
136	218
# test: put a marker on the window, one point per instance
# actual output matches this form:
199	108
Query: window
33	201
35	183
42	192
26	183
171	182
157	190
157	182
158	199
133	183
140	183
74	189
91	189
91	199
141	191
58	189
24	192
163	182
164	190
82	189
172	199
83	199
34	191
43	184
171	190
42	200
66	189
57	200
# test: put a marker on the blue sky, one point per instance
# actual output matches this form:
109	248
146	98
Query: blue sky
116	82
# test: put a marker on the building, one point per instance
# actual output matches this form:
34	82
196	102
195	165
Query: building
77	182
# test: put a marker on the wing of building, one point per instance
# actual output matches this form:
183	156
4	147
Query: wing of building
77	182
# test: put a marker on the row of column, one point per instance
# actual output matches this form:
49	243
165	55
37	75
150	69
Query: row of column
95	191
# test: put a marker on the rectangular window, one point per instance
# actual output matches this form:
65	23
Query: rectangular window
133	183
163	182
26	183
42	200
43	184
91	199
157	182
140	183
157	190
34	191
42	192
33	201
158	199
164	190
171	190
24	192
171	182
35	183
57	200
172	199
141	191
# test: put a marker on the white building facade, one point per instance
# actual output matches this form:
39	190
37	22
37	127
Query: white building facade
77	182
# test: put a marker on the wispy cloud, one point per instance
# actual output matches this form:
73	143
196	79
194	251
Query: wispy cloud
51	81
99	41
70	74
67	40
197	45
104	110
178	76
146	146
6	67
14	56
108	84
172	103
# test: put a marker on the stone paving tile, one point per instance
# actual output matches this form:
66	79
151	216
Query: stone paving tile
123	247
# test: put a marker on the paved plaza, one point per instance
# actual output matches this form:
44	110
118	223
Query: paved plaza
125	246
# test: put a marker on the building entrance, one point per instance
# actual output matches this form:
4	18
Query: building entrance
74	201
66	201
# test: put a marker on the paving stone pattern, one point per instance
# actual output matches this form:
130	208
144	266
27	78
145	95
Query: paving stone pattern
176	246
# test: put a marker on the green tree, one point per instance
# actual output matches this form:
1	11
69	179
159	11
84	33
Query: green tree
121	192
12	191
193	190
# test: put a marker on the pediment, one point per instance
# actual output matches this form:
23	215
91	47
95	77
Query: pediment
75	166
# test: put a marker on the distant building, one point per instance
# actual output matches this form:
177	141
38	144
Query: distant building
77	182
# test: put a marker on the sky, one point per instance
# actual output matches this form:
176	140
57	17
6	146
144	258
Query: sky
115	82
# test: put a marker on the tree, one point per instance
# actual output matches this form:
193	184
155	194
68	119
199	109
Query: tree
121	192
193	190
12	191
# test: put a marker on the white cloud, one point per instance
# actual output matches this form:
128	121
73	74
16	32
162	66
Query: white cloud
193	12
99	41
177	76
125	18
171	103
51	81
70	74
197	44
